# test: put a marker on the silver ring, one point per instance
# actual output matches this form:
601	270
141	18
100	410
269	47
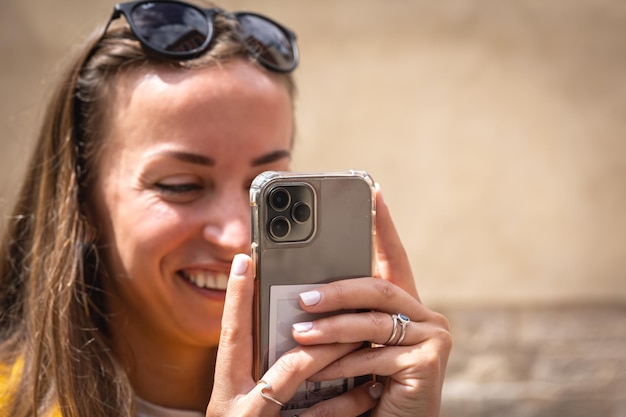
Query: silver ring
268	387
394	331
403	320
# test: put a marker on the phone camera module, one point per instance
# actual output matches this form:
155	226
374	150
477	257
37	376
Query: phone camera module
279	199
290	215
300	212
279	227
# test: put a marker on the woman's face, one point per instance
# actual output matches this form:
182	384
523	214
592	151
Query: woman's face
171	197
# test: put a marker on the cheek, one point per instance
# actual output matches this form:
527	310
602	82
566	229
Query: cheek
140	236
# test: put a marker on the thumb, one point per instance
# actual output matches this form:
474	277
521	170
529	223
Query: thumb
233	367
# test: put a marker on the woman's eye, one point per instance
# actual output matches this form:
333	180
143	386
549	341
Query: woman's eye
179	193
178	188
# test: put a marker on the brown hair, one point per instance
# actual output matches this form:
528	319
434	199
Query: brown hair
52	318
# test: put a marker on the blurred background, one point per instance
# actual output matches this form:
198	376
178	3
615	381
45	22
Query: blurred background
497	131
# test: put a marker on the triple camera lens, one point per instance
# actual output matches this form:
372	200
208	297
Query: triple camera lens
290	213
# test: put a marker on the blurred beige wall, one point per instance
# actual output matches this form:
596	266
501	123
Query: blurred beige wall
496	129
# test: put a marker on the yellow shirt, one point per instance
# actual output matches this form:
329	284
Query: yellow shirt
9	377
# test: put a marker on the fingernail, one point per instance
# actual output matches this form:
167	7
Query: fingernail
239	265
376	390
310	298
302	327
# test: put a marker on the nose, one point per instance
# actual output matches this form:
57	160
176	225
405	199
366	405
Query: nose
228	223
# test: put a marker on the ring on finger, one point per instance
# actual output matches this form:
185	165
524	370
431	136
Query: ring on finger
394	331
404	321
268	387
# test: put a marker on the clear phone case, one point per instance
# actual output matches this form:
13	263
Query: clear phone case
307	229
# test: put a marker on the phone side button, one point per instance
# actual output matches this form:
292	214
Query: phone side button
253	255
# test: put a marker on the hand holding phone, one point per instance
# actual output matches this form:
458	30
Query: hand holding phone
371	305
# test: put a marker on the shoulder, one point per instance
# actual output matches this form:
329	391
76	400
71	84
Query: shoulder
9	377
10	374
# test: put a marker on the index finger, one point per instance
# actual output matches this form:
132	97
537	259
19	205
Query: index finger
391	257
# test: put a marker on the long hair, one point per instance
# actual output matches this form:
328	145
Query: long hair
53	325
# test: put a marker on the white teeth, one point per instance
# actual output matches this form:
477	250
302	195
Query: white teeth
222	281
211	280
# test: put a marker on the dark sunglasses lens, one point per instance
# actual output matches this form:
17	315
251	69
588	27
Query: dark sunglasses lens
268	42
171	27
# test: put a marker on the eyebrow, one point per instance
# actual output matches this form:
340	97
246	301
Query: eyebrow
190	157
271	157
207	161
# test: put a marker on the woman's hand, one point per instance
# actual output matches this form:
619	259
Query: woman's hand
414	367
235	393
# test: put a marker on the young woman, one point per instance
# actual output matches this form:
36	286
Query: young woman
125	282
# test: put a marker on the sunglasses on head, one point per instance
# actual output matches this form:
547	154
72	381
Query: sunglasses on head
179	30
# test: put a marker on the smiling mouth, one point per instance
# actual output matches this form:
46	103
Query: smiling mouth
207	279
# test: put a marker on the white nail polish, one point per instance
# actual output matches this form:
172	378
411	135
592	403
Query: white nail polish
302	327
239	265
376	390
310	298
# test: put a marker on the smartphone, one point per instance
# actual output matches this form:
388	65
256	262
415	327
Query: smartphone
307	229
